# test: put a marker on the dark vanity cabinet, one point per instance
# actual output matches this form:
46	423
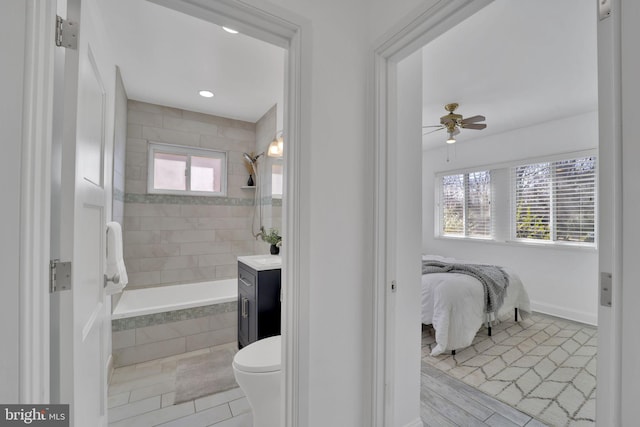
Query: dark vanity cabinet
258	303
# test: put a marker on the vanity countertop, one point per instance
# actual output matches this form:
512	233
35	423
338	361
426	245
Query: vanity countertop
262	262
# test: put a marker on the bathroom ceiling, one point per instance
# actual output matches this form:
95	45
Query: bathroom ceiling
518	63
166	58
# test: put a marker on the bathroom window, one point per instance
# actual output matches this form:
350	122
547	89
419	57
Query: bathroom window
175	169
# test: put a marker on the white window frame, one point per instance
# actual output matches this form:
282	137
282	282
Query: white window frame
439	226
552	241
155	147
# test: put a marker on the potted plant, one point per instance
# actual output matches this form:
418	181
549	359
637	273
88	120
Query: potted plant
274	239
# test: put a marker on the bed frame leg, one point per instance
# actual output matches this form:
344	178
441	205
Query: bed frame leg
489	329
453	352
516	310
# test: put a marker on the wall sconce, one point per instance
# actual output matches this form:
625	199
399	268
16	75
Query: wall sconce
276	147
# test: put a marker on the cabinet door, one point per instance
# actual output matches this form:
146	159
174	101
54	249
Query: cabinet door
244	324
246	306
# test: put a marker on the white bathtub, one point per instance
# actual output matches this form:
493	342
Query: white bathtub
138	302
165	321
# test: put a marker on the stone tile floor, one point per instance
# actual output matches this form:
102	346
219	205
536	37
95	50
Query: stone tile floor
143	395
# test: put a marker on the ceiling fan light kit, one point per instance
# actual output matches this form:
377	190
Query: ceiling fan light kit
453	122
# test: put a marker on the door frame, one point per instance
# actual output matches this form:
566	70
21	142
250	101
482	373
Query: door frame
256	18
416	30
35	202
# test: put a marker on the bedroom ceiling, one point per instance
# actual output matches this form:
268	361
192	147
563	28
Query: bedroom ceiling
166	57
518	63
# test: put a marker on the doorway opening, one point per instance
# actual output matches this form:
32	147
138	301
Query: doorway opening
269	27
396	238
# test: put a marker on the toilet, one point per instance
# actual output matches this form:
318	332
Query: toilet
257	371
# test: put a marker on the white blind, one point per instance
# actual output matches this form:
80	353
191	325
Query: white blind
452	205
465	208
556	201
478	204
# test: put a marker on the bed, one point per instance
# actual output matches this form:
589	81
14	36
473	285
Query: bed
454	304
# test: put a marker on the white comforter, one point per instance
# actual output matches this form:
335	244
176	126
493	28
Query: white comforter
454	304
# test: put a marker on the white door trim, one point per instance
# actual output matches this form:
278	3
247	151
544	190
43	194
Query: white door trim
406	37
35	202
279	26
610	218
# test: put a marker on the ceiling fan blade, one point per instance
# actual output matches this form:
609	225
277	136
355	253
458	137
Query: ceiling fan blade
427	133
432	126
474	126
473	119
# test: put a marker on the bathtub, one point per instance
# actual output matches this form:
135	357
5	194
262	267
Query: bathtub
152	323
138	302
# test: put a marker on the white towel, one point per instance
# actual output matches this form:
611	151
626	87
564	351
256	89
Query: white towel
115	259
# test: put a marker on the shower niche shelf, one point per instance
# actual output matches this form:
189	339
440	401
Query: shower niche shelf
248	187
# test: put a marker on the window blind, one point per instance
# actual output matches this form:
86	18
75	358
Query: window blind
556	201
465	206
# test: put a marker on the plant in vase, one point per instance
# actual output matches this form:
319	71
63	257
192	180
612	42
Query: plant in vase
274	239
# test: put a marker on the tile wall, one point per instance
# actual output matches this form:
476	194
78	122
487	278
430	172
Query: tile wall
148	337
180	239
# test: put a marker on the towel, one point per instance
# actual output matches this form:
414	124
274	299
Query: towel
115	259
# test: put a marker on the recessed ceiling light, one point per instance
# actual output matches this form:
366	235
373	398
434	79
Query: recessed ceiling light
230	30
206	93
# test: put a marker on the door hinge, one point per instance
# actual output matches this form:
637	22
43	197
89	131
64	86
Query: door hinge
66	33
59	276
393	286
606	291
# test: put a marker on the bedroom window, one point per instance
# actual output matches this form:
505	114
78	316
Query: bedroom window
175	169
465	205
555	201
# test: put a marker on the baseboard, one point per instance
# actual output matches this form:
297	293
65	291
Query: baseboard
415	423
565	313
109	369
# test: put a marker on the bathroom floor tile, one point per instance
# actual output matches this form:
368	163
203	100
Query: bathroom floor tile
143	395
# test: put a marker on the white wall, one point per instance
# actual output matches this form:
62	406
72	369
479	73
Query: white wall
11	82
562	281
336	207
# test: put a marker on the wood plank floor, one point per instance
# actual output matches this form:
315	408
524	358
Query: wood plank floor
448	402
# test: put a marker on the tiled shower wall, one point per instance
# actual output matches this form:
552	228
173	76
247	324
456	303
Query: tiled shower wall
181	239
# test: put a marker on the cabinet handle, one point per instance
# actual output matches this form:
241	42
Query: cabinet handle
245	311
244	282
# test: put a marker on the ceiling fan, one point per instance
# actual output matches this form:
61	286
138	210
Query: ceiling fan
453	122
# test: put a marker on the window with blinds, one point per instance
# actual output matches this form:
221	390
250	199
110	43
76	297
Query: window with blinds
465	205
555	201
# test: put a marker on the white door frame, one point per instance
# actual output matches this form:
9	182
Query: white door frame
415	31
35	202
258	19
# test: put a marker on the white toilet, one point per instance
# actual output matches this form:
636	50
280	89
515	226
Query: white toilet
257	371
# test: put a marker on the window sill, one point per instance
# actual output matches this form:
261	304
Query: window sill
517	243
